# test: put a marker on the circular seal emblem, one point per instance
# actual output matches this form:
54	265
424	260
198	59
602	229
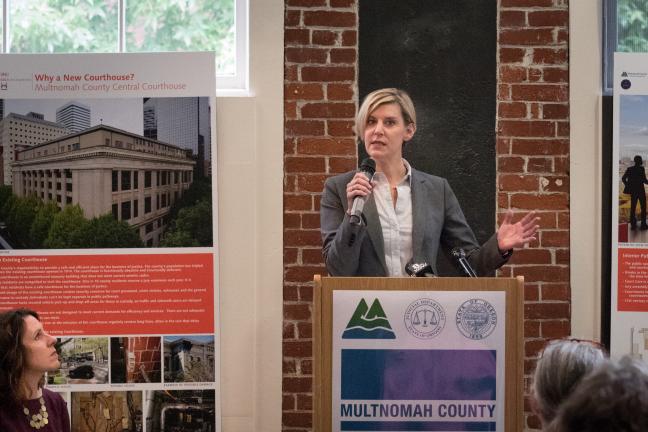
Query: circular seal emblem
425	318
625	84
476	319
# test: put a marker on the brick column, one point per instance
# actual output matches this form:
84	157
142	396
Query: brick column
320	98
533	161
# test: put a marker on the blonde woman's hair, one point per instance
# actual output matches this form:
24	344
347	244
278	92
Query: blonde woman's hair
381	97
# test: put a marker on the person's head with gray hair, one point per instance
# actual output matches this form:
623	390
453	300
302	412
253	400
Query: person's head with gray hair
561	366
613	398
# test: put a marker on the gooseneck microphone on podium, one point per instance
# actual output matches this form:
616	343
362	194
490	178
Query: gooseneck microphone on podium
368	168
421	269
460	255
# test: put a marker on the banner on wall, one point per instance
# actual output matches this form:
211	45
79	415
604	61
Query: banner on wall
418	361
108	230
629	320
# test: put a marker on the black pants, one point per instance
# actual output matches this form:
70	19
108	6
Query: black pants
633	208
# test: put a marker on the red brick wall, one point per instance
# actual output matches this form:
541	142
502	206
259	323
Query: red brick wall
320	97
533	160
320	104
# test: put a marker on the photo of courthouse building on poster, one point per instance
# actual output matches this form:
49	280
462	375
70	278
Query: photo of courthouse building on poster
129	160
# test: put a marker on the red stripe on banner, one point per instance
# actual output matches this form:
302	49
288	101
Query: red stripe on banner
633	280
113	294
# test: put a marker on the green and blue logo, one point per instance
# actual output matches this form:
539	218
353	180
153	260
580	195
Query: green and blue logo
368	323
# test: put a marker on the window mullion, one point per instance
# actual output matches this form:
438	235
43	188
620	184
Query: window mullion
121	26
610	41
5	25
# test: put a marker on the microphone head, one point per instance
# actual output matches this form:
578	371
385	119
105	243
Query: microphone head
410	269
368	165
458	253
418	269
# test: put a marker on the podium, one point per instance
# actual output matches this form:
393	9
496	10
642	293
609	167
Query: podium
418	354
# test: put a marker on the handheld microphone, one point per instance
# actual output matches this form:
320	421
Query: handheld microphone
421	269
368	168
460	255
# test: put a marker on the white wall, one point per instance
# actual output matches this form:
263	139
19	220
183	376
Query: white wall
250	187
585	60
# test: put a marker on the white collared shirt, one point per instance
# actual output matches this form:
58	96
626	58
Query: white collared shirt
396	222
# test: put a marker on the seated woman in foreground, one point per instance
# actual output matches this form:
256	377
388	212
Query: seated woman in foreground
26	353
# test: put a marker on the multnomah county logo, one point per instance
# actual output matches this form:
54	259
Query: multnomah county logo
368	323
476	319
425	318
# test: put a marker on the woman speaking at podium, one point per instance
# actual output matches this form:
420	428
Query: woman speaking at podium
26	353
377	225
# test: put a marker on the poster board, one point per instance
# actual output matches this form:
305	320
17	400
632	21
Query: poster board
122	147
377	368
629	297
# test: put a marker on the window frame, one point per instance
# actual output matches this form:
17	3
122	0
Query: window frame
609	44
226	85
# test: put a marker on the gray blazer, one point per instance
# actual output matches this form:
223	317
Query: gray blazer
351	250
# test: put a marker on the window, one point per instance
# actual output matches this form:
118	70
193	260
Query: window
104	26
126	210
125	180
115	180
135	180
147	179
135	208
147	205
625	30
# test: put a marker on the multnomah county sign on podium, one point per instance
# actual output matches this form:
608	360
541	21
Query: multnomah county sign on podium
407	354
